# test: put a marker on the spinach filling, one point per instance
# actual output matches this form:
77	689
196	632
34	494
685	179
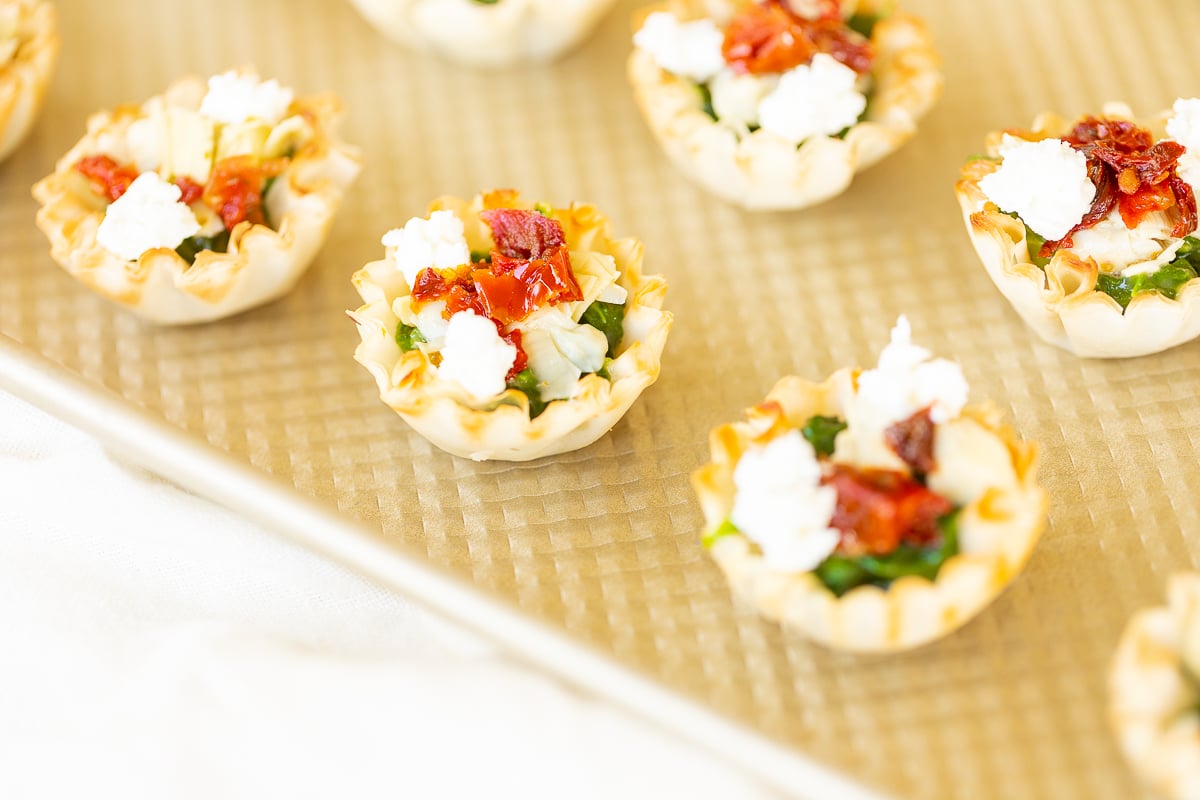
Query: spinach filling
863	23
408	337
526	383
192	246
842	573
820	433
609	319
1167	280
706	101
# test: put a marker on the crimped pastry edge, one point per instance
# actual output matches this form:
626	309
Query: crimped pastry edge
261	264
1152	705
500	35
1060	303
441	412
761	171
998	531
23	81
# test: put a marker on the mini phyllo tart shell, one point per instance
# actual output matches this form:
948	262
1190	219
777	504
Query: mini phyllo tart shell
260	262
499	33
504	426
1062	299
982	469
1154	691
28	53
758	169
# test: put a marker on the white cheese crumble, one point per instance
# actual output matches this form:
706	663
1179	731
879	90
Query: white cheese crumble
148	216
1184	123
907	381
736	98
475	357
438	243
560	351
1045	183
690	50
781	505
812	99
1130	251
233	97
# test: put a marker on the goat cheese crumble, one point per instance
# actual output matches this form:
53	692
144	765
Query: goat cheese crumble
690	50
475	357
148	216
1045	183
438	243
781	505
813	99
907	380
233	97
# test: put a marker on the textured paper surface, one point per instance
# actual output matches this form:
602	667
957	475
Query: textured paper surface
603	542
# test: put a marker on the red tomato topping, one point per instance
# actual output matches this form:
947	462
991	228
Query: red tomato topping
108	178
1131	173
192	191
507	291
234	189
521	234
768	37
878	510
513	337
912	440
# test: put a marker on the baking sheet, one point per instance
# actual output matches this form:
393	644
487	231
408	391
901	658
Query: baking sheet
601	545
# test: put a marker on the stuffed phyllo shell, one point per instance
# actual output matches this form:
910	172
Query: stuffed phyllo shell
871	512
487	33
1154	691
1088	227
501	330
28	52
776	104
202	202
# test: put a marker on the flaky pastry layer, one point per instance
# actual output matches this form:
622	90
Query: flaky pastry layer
441	411
981	467
24	79
261	263
1060	302
500	34
1154	697
762	171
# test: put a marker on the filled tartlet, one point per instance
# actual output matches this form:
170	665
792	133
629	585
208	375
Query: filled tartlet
776	104
503	330
28	52
205	201
1088	227
1154	691
874	511
487	33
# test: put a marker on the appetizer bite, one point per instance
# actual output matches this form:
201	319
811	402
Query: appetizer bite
487	33
1154	691
871	512
1088	227
501	330
28	52
202	202
775	104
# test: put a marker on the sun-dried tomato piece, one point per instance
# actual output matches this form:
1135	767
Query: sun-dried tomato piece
507	291
191	190
1131	172
522	234
513	337
878	510
235	188
108	178
912	439
768	37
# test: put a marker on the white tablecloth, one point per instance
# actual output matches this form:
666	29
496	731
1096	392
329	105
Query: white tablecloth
158	646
